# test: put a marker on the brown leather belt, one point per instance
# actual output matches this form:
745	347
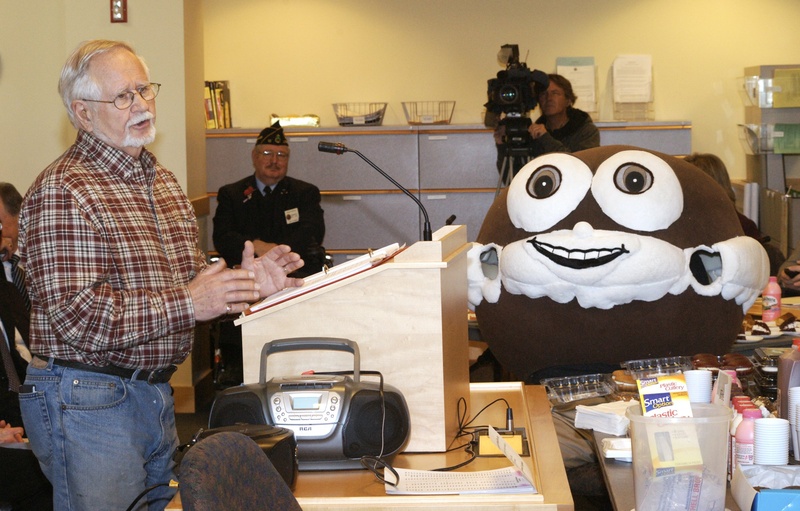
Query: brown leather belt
151	377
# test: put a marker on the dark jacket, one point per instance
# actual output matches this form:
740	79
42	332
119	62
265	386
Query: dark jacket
14	316
290	215
578	134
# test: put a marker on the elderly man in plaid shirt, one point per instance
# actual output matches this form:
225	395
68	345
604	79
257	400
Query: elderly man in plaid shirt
117	285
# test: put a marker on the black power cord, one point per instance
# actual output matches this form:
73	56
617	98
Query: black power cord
172	484
464	430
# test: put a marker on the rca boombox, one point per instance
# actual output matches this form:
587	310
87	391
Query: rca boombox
336	418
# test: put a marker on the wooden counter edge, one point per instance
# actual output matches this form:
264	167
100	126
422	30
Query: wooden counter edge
555	486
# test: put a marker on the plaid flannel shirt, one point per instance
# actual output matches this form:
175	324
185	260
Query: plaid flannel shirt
109	244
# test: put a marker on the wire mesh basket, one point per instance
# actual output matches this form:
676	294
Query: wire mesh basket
428	112
359	114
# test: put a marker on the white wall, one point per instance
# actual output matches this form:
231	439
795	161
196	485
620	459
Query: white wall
299	57
35	39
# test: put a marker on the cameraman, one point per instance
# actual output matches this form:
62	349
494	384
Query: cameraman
560	129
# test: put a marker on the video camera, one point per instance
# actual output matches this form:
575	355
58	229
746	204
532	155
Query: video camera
512	92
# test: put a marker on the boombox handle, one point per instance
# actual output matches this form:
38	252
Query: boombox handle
309	343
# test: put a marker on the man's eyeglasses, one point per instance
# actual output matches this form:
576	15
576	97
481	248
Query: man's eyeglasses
280	154
125	99
551	93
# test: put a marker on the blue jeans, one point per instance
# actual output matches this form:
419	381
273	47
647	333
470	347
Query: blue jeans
100	439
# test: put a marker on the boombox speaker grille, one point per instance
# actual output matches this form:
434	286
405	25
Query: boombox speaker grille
240	408
363	432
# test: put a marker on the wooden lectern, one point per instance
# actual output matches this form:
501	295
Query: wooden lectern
409	318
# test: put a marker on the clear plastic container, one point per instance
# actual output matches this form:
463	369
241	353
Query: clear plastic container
699	472
572	388
756	91
649	367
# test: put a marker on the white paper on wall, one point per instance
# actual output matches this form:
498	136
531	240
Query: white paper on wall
633	79
580	71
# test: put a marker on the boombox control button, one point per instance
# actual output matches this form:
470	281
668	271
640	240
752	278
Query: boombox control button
334	399
276	400
293	417
278	409
316	416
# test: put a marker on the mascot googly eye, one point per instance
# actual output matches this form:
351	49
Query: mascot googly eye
611	254
542	195
638	190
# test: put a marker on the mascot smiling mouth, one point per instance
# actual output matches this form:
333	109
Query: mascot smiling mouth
578	258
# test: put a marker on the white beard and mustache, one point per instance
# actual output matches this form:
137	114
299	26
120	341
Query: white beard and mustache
133	141
130	140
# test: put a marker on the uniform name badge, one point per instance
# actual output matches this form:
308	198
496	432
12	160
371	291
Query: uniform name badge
292	215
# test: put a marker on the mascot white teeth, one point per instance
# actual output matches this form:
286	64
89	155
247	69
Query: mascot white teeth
611	254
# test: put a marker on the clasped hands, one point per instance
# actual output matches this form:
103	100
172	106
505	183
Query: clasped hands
9	434
789	278
219	290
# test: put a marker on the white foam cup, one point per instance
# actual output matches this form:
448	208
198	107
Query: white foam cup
698	383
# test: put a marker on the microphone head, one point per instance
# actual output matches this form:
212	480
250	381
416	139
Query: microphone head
331	147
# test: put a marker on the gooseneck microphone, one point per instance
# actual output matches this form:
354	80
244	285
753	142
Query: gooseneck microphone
337	148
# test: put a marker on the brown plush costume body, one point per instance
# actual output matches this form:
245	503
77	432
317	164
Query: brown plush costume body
611	254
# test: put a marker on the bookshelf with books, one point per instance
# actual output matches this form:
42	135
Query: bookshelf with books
217	99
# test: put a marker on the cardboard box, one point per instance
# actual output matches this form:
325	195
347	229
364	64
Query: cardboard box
747	477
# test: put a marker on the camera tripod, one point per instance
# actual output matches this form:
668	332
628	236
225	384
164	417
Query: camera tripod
516	147
514	158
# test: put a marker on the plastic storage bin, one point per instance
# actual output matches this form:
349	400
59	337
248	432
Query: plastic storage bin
680	463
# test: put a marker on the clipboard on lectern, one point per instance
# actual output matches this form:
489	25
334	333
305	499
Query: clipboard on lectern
330	275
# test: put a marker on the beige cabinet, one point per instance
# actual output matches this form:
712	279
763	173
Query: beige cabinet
451	169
